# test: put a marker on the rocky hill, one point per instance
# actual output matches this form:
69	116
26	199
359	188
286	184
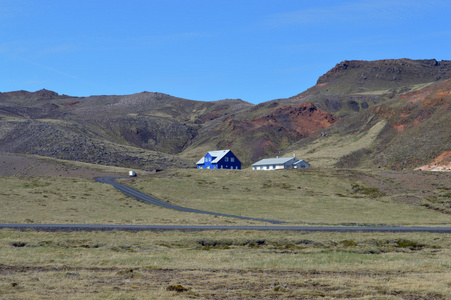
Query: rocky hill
404	124
394	75
392	114
143	130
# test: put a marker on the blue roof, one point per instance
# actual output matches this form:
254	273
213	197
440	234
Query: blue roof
217	155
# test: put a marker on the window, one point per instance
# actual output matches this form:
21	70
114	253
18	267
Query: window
232	159
226	159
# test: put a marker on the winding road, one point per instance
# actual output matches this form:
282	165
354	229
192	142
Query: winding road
148	199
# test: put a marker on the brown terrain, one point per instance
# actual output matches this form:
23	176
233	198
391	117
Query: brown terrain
43	133
19	166
157	131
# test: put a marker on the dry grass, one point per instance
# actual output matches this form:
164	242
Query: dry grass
223	265
309	196
327	151
59	200
411	88
79	164
298	196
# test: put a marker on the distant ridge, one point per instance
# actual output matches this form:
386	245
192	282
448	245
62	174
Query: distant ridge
357	76
393	113
391	70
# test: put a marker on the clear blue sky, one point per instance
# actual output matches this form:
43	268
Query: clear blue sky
207	49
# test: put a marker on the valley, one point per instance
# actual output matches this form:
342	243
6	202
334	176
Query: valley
377	137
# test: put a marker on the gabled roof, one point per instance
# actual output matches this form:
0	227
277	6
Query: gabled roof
218	155
273	161
300	161
201	161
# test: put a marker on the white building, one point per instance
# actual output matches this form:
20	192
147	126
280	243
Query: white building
280	163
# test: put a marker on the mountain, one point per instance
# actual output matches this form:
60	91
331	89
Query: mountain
142	130
381	76
392	114
399	122
147	130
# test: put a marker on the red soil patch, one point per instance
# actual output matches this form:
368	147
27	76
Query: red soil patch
304	119
299	121
440	163
417	96
400	128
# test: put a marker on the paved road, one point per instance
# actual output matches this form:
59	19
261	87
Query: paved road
146	198
136	228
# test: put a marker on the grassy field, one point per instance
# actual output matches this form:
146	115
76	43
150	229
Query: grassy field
309	196
224	265
231	264
57	200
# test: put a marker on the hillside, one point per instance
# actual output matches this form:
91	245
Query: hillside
352	86
392	114
381	76
143	130
147	130
403	132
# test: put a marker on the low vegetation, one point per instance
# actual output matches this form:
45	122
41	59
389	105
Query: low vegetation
224	265
302	197
308	196
380	122
228	264
59	200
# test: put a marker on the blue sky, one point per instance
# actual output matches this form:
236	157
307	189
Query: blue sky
207	49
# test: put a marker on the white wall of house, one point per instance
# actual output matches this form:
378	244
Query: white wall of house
271	167
278	164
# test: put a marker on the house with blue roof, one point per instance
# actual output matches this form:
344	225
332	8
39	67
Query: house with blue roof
220	159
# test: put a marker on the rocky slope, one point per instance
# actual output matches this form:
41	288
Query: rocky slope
415	132
352	77
392	114
147	130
